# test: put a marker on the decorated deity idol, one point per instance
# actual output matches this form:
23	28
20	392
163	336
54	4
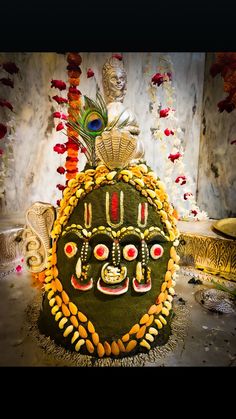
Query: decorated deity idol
111	269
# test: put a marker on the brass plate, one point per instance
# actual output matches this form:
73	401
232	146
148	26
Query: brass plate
226	226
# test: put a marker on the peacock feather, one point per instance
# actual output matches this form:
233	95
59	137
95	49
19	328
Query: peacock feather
91	122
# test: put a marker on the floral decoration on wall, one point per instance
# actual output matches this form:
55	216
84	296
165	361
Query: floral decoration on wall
170	137
8	71
68	108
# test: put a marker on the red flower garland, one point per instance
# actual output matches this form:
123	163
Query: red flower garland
174	157
90	73
181	180
59	84
60	126
74	60
159	78
61	170
187	195
164	113
168	132
59	99
117	56
10	68
59	148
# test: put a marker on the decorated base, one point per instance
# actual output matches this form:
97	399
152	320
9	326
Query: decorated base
177	332
201	246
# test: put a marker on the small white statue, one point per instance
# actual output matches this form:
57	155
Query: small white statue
114	85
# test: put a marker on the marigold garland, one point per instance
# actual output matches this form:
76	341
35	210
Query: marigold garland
74	101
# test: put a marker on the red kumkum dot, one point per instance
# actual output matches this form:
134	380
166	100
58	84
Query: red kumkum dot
69	248
157	251
100	251
18	268
131	253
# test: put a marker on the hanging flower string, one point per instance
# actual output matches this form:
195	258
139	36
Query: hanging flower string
166	130
6	127
59	117
73	101
74	105
74	144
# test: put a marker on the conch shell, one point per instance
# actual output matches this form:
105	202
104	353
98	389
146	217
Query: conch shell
115	148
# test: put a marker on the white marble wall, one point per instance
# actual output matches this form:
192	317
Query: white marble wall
217	167
32	175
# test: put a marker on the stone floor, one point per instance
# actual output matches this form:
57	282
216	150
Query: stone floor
210	338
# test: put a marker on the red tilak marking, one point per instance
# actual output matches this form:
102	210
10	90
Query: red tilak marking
143	212
88	215
114	207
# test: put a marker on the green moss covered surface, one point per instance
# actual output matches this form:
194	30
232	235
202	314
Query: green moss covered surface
112	316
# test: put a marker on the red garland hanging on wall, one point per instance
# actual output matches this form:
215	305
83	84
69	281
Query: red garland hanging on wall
74	105
12	69
73	101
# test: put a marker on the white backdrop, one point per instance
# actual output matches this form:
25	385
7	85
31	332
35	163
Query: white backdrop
31	174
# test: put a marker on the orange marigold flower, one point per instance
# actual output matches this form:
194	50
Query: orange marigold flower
73	96
70	165
72	153
72	133
74	81
70	176
75	104
74	118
